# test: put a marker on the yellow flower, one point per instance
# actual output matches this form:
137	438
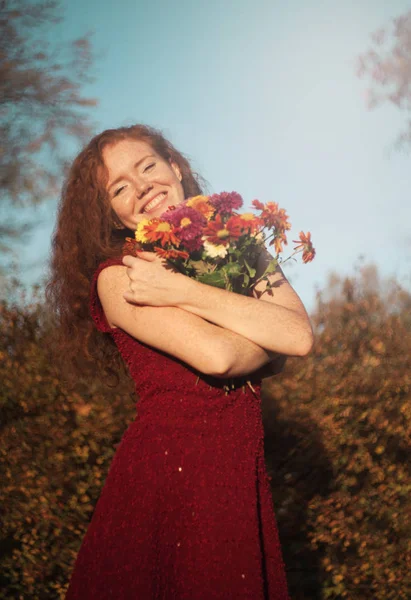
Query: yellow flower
247	217
140	234
203	206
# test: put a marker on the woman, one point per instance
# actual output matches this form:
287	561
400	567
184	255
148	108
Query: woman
186	510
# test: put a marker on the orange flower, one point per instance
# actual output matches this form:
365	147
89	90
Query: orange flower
305	244
158	230
278	242
203	206
275	217
282	220
218	232
171	253
248	222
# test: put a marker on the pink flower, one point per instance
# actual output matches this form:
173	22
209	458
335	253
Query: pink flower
189	224
226	202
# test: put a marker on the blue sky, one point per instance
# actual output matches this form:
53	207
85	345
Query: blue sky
263	96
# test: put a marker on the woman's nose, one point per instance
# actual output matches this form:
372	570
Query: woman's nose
142	188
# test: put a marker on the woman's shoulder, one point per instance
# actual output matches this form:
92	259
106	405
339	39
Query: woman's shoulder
108	262
104	277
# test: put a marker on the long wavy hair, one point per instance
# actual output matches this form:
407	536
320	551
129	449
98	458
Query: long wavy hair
84	236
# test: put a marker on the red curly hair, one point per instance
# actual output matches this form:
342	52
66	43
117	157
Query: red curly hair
84	236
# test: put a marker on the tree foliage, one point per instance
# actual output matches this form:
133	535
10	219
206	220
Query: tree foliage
387	65
40	99
338	437
41	108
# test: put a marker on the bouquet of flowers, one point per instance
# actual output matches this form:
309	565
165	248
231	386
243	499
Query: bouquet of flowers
206	238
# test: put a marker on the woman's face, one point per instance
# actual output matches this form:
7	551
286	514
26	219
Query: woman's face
141	184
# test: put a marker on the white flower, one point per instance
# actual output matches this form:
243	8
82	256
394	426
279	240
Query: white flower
259	237
214	250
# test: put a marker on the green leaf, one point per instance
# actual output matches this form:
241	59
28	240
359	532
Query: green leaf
250	269
215	279
271	267
232	269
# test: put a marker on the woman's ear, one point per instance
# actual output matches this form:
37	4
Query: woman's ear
176	169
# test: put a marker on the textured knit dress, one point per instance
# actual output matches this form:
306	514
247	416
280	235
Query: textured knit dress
186	511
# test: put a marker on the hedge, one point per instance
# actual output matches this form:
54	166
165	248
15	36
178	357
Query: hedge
338	429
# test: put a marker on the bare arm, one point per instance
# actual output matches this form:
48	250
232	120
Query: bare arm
277	321
207	347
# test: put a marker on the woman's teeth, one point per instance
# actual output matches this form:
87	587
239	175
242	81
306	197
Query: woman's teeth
154	202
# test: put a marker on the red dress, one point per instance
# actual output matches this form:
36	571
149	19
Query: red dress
186	510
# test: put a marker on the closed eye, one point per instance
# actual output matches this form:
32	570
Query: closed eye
149	167
116	193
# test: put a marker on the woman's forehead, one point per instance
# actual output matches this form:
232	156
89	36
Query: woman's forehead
119	155
126	147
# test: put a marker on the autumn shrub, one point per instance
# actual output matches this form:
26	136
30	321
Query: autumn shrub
55	449
337	448
338	433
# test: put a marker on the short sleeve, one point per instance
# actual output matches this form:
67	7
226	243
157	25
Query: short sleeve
96	308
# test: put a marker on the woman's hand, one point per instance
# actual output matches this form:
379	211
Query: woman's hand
152	281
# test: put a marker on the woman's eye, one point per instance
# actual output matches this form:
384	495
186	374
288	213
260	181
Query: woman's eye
149	167
116	193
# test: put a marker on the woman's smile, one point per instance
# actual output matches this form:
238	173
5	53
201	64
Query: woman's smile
154	203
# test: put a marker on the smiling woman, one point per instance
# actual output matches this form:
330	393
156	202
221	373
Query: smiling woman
186	510
141	182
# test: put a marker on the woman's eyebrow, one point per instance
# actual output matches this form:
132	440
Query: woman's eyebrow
137	164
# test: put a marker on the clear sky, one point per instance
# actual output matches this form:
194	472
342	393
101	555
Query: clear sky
263	96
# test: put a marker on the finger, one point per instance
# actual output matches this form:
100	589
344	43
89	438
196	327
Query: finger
128	260
129	297
148	256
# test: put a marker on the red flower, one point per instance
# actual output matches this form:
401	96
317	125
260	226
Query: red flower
218	232
130	247
306	245
258	205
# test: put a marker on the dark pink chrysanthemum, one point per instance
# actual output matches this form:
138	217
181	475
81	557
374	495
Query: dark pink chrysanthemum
226	201
189	224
